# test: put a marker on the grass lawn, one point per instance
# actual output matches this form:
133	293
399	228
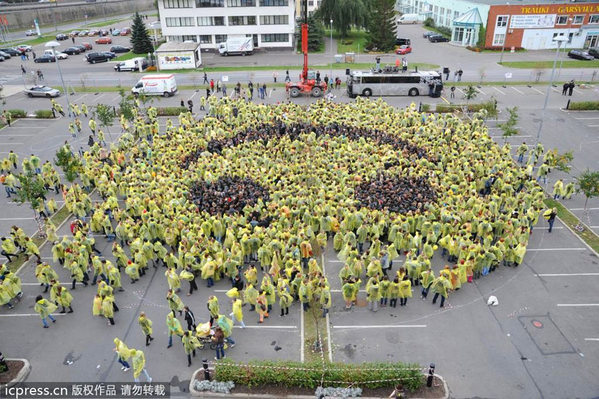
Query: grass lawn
355	42
102	24
568	218
128	56
33	42
549	64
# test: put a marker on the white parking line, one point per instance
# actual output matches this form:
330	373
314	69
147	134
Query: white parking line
577	91
582	209
555	90
581	119
591	339
481	92
517	90
12	143
29	218
382	326
556	249
576	305
546	227
593	125
566	274
537	90
498	90
27	314
270	327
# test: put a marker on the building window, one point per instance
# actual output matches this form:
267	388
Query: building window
502	21
499	39
179	21
206	39
562	20
275	38
310	3
220	38
241	3
183	38
274	3
242	20
211	21
274	19
456	14
578	20
178	3
594	19
210	3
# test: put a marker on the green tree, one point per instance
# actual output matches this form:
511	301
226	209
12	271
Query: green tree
32	189
315	34
588	184
470	93
381	25
126	105
509	127
344	13
140	39
69	163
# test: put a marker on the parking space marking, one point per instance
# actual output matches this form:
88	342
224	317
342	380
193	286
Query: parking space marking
516	90
28	314
269	327
498	90
556	249
582	119
577	91
582	209
566	274
381	326
12	143
301	334
537	90
481	92
555	90
30	218
576	305
546	227
593	125
591	339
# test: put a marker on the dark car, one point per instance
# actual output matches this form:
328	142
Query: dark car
119	49
437	38
61	36
580	55
82	48
45	58
11	51
92	58
594	51
428	33
402	41
4	55
72	51
108	54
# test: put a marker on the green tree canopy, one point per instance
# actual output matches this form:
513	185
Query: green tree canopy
344	13
381	25
140	39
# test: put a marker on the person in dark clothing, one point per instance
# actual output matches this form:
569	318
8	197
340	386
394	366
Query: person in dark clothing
565	88
190	105
206	81
90	141
189	318
238	283
207	92
317	77
551	218
571	86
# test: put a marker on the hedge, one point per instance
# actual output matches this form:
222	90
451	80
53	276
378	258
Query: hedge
44	114
443	108
308	375
18	113
171	111
584	106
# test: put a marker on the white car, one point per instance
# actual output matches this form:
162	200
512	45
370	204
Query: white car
30	32
62	56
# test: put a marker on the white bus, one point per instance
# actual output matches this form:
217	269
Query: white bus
394	83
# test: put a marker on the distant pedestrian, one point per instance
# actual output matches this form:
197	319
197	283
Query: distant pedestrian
34	55
26	55
287	78
224	89
40	75
571	86
7	117
274	76
212	85
219	340
263	90
218	87
73	39
337	83
23	71
205	78
90	141
452	93
189	318
45	309
251	90
207	92
146	327
550	215
460	73
190	105
565	88
446	73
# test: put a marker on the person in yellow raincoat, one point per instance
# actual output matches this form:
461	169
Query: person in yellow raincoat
426	280
97	306
237	313
262	306
175	303
45	309
213	308
146	327
208	271
190	343
174	282
123	353
108	308
63	298
174	327
405	290
132	270
139	365
250	296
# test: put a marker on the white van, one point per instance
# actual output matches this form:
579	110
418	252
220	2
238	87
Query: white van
156	85
57	54
409	19
236	45
131	65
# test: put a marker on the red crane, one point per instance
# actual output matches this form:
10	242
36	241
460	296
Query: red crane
308	83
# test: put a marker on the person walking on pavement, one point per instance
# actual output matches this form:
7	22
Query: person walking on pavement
190	343
224	87
219	339
189	318
452	92
45	309
73	39
146	327
237	314
205	78
565	88
7	117
212	85
521	151
123	353
287	78
274	76
550	215
23	71
263	90
139	364
571	86
190	106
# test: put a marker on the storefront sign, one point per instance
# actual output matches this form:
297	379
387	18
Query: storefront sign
532	21
180	60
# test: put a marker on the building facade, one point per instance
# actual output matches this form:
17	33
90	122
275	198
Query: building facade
271	23
535	26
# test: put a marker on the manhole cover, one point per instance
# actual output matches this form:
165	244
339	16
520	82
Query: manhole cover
537	324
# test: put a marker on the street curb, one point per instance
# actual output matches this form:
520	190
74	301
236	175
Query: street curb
577	236
21	376
205	394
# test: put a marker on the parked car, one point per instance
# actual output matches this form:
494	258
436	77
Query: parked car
116	32
87	45
42	91
82	48
74	33
131	65
428	33
93	32
93	58
401	41
402	50
30	32
103	40
60	56
125	31
45	58
437	38
580	55
120	49
109	54
83	33
72	51
4	55
24	47
61	36
103	32
13	52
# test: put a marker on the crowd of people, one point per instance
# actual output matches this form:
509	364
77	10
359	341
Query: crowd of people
251	193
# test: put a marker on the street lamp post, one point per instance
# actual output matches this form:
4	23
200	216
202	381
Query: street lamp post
53	45
507	26
559	40
332	53
561	60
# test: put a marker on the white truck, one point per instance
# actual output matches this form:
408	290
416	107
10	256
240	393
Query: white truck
410	19
236	45
156	85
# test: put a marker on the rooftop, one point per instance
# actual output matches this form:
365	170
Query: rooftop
177	46
530	2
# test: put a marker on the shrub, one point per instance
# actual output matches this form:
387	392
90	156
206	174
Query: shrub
171	111
425	108
584	106
490	106
429	22
18	113
445	31
44	114
308	375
